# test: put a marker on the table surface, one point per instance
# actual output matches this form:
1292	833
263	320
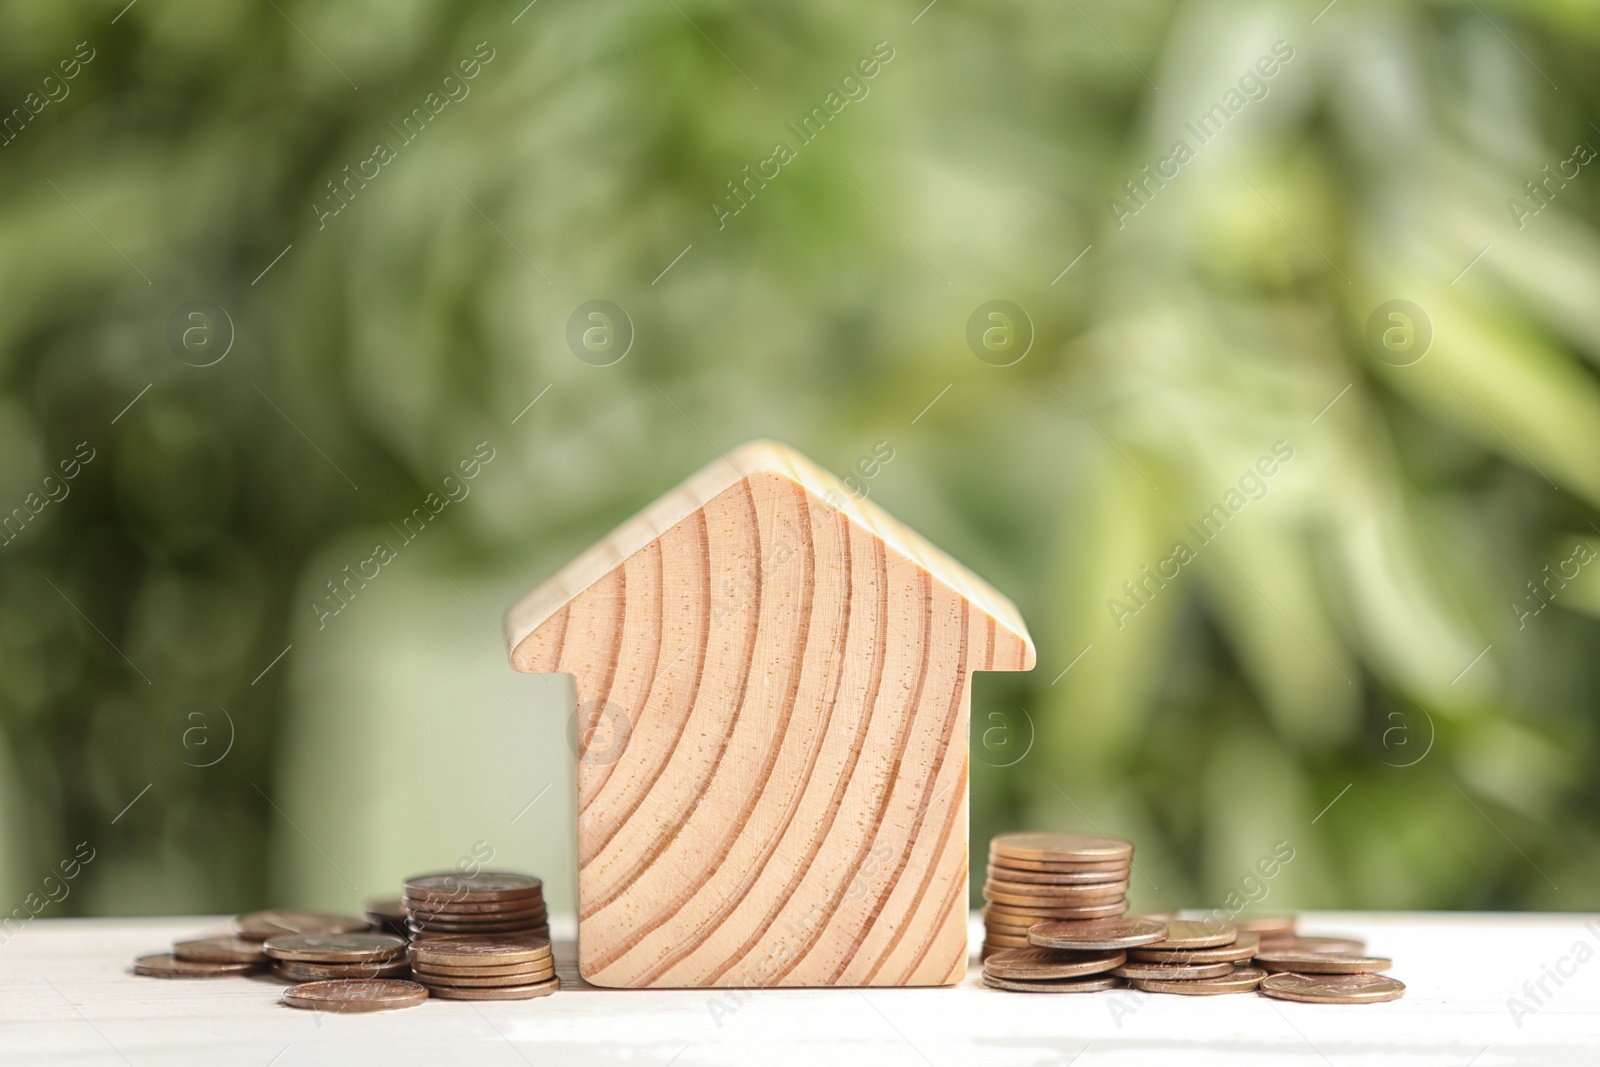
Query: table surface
69	998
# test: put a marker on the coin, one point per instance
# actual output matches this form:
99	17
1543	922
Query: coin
298	971
1184	972
1040	963
1109	867
1056	985
166	965
1096	933
485	885
1240	981
389	915
1321	962
220	950
533	902
488	981
1060	846
1239	951
1187	934
355	994
1265	926
1085	911
1004	942
512	992
1017	875
336	948
1333	988
477	970
1056	895
459	951
260	925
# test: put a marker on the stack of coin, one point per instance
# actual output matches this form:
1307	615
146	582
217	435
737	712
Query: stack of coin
484	968
1045	877
208	957
1325	970
314	957
489	903
1195	959
1049	970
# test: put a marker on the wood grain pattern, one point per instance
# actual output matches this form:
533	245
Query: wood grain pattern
774	791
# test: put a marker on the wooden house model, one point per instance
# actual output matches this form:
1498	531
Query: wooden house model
773	686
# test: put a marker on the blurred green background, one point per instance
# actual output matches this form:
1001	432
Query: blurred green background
1385	657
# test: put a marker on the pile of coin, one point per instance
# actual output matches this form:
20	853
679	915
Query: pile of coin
312	957
485	968
488	903
1043	877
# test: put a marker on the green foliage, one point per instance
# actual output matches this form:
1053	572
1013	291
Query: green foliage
1369	590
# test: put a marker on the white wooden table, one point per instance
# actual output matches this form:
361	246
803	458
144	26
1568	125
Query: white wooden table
67	997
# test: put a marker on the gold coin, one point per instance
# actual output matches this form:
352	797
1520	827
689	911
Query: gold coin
260	925
1040	963
166	965
460	951
336	948
1173	972
1096	933
1333	988
1187	934
491	981
300	971
1100	895
1281	924
1022	877
1321	962
355	995
510	992
1242	980
1034	845
1241	950
1091	984
221	950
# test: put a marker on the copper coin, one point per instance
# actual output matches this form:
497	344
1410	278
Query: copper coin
485	885
1188	934
430	918
1003	942
433	936
1032	845
1333	988
1018	876
221	950
1321	962
478	970
1092	984
387	914
1281	924
473	906
260	925
1049	899
464	950
298	971
1347	945
1085	911
355	994
1108	868
1242	980
1038	963
1238	952
1096	933
166	965
337	948
508	992
490	981
1173	972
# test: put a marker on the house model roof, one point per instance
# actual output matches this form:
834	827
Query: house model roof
753	458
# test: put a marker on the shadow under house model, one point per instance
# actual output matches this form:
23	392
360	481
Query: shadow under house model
775	684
